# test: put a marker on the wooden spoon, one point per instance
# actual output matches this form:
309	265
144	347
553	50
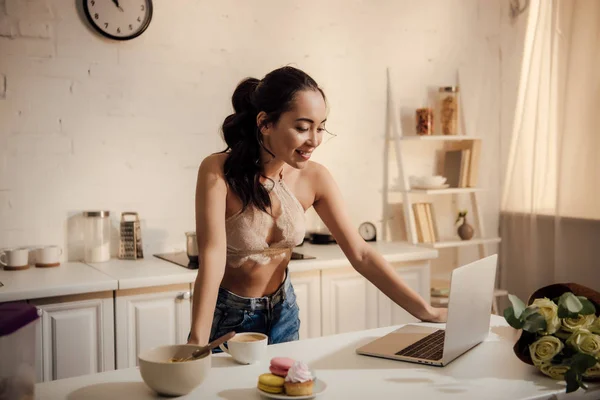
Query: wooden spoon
199	353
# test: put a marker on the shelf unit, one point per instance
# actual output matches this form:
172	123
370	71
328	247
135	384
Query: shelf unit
395	137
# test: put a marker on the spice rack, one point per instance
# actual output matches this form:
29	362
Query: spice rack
395	140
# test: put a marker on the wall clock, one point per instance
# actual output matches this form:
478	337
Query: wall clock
118	19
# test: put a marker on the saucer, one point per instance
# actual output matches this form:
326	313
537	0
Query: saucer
319	387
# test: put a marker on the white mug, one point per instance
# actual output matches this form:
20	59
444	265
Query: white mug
247	347
17	257
48	255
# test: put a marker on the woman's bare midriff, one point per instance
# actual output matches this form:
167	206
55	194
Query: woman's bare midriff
255	280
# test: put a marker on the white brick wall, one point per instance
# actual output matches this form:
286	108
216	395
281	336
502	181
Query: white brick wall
89	123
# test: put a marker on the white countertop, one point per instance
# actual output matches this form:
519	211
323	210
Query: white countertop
331	256
76	277
67	278
488	371
149	271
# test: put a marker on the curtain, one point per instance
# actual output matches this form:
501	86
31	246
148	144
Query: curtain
550	210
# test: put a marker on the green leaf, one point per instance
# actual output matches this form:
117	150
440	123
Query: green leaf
527	312
580	362
534	323
509	316
588	307
563	312
572	381
569	301
517	304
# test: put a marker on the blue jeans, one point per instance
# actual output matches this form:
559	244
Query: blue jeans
275	315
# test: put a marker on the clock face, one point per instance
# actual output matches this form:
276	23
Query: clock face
367	231
119	19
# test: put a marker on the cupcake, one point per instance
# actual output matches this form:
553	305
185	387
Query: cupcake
299	381
280	366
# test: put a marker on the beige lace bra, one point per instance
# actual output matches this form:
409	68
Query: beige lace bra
248	231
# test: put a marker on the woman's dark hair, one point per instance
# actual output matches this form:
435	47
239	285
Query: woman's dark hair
274	95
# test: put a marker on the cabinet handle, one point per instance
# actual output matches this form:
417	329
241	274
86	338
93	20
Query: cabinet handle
185	296
40	312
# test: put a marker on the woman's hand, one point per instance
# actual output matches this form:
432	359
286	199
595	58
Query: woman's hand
437	315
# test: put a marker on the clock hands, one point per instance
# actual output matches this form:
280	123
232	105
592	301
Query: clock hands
117	4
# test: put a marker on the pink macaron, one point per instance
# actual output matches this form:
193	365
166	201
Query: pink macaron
280	365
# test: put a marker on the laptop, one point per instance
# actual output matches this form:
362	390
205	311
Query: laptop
469	313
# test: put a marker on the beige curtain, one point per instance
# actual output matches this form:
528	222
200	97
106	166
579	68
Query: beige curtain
550	217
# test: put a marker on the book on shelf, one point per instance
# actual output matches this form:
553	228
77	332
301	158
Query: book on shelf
425	223
461	164
452	166
464	168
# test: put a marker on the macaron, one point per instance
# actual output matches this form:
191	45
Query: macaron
280	365
270	383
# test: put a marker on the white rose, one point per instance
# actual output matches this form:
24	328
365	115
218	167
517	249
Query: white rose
579	322
554	371
593	372
549	311
595	327
544	349
585	342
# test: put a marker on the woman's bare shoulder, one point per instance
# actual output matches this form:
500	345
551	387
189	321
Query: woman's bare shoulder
213	164
314	171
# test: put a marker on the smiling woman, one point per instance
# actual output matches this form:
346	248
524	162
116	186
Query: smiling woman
250	204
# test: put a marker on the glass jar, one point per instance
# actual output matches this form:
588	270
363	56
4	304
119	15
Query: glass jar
97	236
448	106
424	121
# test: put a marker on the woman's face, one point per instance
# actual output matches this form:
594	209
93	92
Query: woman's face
299	131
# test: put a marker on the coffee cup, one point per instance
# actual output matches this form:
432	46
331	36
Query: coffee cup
47	256
247	347
16	258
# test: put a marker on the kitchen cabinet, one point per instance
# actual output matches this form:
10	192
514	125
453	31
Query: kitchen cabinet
150	317
350	303
417	276
75	335
307	286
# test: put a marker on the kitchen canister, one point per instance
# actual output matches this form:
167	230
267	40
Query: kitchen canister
96	236
448	106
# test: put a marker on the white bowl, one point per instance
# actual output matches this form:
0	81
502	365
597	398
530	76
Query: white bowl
173	379
432	180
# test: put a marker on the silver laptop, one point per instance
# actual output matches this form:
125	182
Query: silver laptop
469	311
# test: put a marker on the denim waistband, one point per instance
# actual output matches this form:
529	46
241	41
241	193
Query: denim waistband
229	299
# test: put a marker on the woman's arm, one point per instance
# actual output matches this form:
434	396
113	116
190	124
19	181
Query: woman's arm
330	206
211	195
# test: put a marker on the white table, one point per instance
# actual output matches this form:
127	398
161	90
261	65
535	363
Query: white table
489	371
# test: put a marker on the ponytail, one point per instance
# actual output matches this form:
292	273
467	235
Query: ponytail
243	165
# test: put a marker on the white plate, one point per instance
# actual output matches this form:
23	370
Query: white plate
318	388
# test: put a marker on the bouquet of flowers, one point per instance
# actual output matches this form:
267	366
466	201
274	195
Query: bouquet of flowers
560	332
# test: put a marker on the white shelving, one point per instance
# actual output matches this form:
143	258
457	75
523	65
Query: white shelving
460	243
437	191
395	138
428	138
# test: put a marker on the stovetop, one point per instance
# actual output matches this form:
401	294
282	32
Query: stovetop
181	258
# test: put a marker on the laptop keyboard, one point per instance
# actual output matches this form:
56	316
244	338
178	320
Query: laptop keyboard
431	347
